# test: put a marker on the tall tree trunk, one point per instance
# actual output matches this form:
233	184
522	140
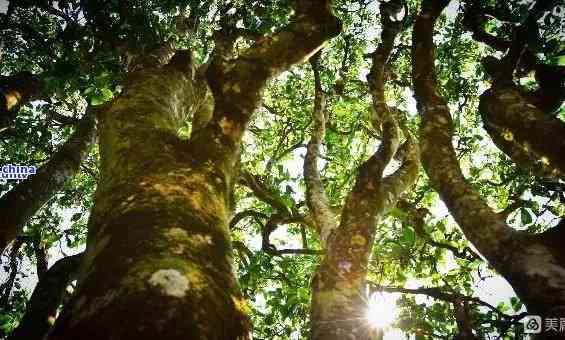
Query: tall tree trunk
339	298
158	263
339	294
18	205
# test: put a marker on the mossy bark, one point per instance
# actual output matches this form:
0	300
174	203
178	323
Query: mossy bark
158	262
339	294
533	139
339	303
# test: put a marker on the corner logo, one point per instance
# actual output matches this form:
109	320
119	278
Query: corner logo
532	324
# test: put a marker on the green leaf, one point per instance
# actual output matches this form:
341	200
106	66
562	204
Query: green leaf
525	216
515	303
408	236
89	90
97	100
106	93
559	60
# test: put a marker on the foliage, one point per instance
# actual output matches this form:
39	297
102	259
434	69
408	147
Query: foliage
80	65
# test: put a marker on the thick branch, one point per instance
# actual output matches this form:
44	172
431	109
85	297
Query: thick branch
402	179
519	41
22	202
46	299
372	195
6	287
533	139
40	258
550	78
484	228
237	83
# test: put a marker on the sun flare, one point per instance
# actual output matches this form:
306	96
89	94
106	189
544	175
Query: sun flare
381	310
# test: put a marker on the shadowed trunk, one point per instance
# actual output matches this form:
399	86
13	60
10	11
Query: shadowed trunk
158	263
533	139
46	298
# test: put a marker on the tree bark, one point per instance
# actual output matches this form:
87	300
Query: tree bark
158	263
18	205
532	264
533	139
339	293
45	300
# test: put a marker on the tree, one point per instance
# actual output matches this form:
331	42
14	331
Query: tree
173	206
221	186
527	261
338	288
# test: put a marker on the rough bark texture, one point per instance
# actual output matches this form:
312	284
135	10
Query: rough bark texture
533	139
158	263
532	264
339	294
46	298
22	202
322	214
522	123
15	91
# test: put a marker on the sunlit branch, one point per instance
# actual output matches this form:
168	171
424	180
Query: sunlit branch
372	195
439	293
237	83
316	199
